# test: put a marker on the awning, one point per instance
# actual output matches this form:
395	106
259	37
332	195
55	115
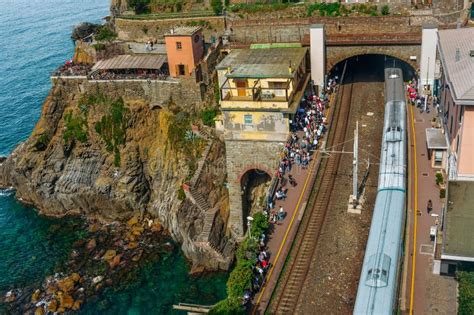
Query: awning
436	139
123	62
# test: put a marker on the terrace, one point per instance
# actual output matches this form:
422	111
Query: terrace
262	78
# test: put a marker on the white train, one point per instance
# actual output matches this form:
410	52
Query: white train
379	279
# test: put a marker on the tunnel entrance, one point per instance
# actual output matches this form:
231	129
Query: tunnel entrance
372	66
254	186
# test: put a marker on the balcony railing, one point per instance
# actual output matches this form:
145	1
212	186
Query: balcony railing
256	93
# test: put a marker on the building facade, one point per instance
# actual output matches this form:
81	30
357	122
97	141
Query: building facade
185	49
456	98
260	91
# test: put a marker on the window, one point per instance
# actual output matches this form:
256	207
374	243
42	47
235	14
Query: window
179	46
451	126
461	112
457	144
248	119
181	70
438	158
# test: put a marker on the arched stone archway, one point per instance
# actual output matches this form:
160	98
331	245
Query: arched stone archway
254	184
241	158
410	54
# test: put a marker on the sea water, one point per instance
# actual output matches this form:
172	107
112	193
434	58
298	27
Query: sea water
34	40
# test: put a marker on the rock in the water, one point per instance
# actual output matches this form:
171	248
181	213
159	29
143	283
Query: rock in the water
83	30
132	245
156	227
77	305
10	297
133	221
97	279
52	306
91	245
75	277
109	254
39	311
35	296
66	301
66	284
115	261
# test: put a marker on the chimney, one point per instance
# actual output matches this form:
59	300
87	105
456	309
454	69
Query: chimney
458	54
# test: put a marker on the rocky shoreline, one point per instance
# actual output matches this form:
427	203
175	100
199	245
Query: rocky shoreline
102	257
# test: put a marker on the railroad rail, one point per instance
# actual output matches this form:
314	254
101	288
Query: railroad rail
285	297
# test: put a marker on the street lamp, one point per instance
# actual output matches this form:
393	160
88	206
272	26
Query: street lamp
249	224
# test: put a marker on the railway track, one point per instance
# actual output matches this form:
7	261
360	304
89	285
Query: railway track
285	298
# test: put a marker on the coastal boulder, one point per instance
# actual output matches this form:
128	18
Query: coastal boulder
83	30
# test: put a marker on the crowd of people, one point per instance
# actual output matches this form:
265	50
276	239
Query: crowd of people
72	69
307	127
129	75
419	100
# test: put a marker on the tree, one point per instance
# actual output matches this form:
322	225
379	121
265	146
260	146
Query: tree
385	10
217	6
140	6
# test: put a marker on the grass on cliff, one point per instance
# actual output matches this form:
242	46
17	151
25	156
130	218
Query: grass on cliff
76	128
336	9
257	7
105	33
112	127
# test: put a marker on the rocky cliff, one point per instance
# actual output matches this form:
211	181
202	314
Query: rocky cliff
99	154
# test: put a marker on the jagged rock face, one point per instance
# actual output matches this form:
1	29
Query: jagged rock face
74	177
83	30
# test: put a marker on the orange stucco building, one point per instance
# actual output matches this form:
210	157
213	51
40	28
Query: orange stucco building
185	49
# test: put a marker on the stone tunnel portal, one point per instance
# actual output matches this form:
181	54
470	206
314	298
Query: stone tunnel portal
254	186
373	65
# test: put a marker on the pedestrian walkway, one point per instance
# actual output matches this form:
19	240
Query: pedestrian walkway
429	293
283	232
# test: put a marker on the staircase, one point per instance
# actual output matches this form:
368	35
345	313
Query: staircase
203	240
198	199
208	223
197	174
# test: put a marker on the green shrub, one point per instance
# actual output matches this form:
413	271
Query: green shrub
227	306
259	224
76	128
217	6
181	194
442	193
466	292
112	127
99	47
140	6
257	7
240	278
105	33
439	178
385	10
208	116
325	9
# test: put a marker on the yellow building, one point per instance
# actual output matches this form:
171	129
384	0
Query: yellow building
260	91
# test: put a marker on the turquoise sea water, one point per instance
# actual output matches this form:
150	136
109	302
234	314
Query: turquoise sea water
34	40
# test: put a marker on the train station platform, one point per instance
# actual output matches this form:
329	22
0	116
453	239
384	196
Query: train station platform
424	291
283	232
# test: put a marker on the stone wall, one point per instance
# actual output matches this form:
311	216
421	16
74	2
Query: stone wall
295	30
243	156
184	93
143	30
